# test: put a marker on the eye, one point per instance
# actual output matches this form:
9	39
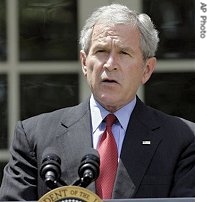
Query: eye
100	51
124	53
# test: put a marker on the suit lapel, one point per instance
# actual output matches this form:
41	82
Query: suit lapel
76	141
139	146
124	186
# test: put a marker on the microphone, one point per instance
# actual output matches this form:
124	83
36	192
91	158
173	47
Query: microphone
89	169
50	170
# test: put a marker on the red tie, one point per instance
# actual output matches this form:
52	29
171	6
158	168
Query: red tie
107	149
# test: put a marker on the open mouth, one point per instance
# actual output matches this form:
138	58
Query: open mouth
109	81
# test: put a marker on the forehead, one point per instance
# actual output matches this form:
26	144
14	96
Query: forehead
120	33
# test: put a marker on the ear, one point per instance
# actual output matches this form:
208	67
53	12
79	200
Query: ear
83	57
148	69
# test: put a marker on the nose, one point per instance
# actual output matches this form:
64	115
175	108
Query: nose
111	62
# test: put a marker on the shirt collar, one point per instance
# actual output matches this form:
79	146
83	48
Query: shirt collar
123	114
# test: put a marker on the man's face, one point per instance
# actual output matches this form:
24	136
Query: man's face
114	65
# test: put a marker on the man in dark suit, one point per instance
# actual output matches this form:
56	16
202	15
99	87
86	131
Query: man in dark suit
155	150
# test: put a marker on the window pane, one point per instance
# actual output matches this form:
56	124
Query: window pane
47	92
2	165
2	30
173	93
48	30
175	21
3	112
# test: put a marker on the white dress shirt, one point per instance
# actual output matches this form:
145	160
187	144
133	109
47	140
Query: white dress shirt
98	113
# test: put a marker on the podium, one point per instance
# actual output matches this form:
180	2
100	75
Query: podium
153	200
80	194
149	200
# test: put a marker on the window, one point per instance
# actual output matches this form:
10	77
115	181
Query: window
39	58
175	21
3	112
3	38
48	30
47	92
172	93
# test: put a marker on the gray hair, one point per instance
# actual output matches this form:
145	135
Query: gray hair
120	14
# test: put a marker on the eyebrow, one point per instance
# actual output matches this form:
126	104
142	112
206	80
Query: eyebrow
105	46
127	49
100	45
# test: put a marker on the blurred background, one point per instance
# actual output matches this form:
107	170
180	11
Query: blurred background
40	69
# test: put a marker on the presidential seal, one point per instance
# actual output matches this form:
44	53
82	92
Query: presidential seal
70	194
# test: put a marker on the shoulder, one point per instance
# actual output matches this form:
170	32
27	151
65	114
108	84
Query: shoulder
56	116
169	125
174	124
50	124
176	134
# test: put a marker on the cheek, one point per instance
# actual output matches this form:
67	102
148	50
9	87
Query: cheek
93	67
93	73
89	68
134	81
134	75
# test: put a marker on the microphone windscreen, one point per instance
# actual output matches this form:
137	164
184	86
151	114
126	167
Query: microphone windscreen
49	154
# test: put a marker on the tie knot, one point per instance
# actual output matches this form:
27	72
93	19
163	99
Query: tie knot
110	119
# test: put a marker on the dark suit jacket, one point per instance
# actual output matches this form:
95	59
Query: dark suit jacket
163	168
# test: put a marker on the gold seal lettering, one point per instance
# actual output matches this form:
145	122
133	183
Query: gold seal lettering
70	192
61	193
73	192
84	195
46	200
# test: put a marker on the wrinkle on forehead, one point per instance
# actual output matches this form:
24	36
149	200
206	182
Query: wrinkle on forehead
103	32
121	36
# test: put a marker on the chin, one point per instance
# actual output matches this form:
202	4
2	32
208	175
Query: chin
108	98
109	102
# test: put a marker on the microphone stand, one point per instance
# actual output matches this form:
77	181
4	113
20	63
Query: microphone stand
85	180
